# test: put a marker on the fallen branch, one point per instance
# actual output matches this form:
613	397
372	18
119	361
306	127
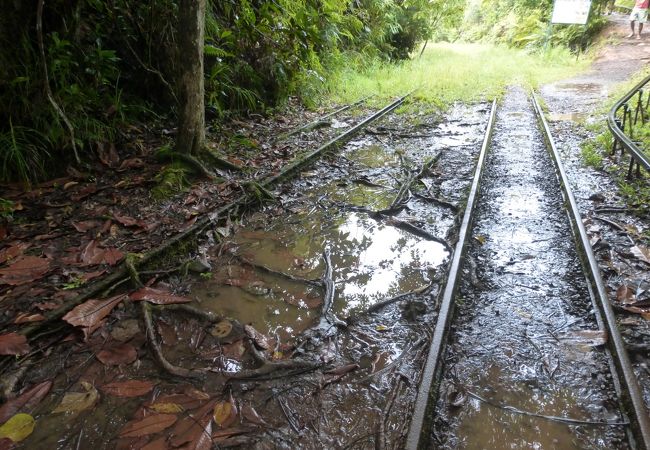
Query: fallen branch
267	366
276	273
615	225
379	305
409	227
328	297
404	192
437	201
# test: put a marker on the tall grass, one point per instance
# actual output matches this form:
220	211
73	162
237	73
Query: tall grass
455	72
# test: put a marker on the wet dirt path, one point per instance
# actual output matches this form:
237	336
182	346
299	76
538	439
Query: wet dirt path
524	334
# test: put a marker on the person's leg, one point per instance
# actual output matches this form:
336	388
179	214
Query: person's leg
631	35
638	36
643	16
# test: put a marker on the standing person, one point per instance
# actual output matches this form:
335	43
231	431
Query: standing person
640	14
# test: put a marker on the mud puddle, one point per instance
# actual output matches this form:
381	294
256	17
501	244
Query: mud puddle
525	343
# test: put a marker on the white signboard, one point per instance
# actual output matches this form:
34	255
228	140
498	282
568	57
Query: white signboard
571	11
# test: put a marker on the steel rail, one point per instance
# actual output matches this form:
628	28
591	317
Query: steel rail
209	218
420	427
634	400
297	130
306	159
619	134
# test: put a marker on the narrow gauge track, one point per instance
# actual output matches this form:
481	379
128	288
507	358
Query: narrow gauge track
211	218
475	398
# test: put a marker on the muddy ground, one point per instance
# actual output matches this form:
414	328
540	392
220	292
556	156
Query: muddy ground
300	322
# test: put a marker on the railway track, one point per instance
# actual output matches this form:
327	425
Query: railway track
525	350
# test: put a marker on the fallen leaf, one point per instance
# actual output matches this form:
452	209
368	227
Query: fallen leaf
13	344
157	296
584	338
78	401
13	252
183	401
92	311
91	254
225	414
193	432
25	269
158	444
642	253
85	225
131	163
167	408
18	427
126	220
148	425
28	318
625	294
25	401
252	416
480	239
112	256
129	388
260	340
221	329
108	154
118	355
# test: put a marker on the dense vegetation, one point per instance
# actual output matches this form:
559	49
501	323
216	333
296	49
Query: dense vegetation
99	66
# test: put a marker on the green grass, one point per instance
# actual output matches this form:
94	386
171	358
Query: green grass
455	72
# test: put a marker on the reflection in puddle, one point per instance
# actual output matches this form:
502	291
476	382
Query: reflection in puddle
371	261
391	261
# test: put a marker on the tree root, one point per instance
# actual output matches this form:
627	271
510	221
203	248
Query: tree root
262	268
221	162
193	162
328	298
268	367
157	350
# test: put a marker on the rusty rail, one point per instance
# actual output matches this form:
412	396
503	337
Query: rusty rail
623	372
621	120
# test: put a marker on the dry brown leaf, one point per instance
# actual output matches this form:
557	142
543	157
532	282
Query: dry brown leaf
585	338
252	416
625	294
25	402
148	425
13	251
642	253
28	318
13	344
91	254
25	269
118	355
221	329
157	296
85	225
225	414
92	311
78	401
112	256
129	388
260	340
167	408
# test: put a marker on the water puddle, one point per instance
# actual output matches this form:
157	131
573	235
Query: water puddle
487	422
567	117
372	261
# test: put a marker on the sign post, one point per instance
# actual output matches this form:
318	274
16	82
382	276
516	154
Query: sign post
571	11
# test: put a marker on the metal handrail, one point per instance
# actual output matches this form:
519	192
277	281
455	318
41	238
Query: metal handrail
629	119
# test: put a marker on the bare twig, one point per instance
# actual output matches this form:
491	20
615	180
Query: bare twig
544	416
379	305
270	271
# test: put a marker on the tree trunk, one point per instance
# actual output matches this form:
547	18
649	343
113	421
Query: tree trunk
191	126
